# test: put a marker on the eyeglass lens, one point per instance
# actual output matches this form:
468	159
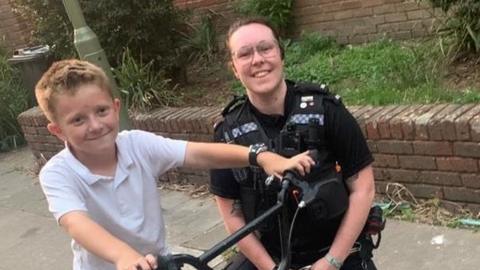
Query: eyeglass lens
263	48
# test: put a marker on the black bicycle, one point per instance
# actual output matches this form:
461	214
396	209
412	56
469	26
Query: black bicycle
290	181
175	262
293	141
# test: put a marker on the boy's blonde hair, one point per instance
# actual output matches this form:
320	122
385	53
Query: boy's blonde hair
64	77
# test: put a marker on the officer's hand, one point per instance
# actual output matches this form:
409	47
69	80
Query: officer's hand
276	165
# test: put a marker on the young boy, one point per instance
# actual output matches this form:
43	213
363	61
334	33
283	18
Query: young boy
102	187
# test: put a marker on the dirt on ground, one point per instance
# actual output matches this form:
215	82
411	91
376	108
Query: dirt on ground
463	73
209	85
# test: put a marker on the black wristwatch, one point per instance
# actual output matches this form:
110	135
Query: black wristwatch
253	152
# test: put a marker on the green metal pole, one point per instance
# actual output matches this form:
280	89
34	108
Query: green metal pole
89	49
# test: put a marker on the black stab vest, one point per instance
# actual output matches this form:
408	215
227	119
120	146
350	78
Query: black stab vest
240	126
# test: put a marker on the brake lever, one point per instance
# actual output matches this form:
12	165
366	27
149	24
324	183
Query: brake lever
309	190
269	180
293	178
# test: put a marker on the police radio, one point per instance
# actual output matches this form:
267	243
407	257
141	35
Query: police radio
290	141
324	196
322	192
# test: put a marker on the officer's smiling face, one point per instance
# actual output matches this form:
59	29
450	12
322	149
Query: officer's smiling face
256	59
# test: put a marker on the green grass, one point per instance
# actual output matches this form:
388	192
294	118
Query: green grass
380	73
432	211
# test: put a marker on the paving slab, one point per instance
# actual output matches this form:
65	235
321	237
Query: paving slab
31	240
407	245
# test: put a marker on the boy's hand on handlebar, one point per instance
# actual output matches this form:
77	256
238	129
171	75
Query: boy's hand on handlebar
276	165
135	261
152	261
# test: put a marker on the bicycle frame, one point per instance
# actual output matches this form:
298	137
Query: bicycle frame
175	262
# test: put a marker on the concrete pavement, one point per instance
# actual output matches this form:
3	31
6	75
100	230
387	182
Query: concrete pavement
30	238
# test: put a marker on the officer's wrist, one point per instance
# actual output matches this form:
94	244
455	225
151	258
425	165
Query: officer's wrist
254	151
262	158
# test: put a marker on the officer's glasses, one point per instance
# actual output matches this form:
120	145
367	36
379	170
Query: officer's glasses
266	49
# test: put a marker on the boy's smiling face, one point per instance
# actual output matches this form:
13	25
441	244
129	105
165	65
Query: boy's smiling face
88	120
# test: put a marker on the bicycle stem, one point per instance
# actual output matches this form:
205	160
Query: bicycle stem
175	262
248	228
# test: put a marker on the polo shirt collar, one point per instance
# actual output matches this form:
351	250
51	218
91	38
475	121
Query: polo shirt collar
121	173
124	163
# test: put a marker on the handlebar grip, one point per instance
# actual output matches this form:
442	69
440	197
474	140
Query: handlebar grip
166	262
314	154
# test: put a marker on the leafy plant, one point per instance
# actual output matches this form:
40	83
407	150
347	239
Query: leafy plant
279	12
141	87
200	40
462	23
13	101
149	28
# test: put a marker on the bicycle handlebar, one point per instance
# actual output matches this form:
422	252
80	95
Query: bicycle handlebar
175	262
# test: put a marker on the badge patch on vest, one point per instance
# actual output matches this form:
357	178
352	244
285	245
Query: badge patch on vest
304	119
306	98
306	101
244	129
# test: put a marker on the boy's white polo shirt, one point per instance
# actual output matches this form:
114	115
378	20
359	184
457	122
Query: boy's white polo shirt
126	205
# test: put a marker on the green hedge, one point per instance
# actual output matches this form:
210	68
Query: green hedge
13	100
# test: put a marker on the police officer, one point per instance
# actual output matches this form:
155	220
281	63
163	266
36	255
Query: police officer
329	240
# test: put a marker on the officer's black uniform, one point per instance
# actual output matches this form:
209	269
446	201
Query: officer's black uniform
345	144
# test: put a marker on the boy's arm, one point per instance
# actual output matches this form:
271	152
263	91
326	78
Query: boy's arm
100	242
222	155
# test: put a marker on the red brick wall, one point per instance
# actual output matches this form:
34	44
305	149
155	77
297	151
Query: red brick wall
348	21
357	21
434	150
14	31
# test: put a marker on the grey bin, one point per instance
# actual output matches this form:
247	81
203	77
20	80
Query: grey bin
32	63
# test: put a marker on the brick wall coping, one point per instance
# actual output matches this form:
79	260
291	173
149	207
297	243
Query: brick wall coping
434	150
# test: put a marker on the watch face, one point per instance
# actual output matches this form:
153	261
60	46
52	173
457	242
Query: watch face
260	147
256	149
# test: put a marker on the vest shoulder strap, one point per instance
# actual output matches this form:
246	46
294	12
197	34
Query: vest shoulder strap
235	103
304	88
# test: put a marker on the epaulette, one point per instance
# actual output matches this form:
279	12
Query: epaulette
317	88
311	87
217	124
233	104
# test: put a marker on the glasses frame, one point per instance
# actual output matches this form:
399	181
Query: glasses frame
256	49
